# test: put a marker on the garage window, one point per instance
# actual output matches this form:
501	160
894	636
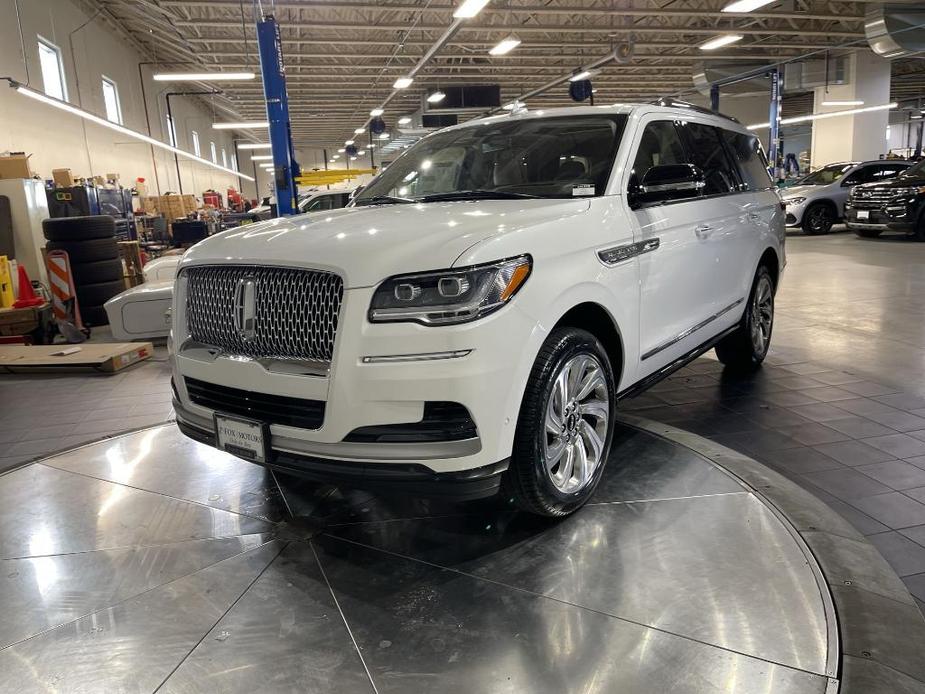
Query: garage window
213	152
196	149
224	158
171	132
52	70
111	101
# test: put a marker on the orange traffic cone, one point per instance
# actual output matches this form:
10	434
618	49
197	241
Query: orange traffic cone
27	296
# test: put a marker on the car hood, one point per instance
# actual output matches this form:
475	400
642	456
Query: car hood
367	244
898	182
801	191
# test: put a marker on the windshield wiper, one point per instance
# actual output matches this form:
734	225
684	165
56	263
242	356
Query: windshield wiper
382	200
475	195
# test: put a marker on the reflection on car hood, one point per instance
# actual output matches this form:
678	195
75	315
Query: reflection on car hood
795	191
367	244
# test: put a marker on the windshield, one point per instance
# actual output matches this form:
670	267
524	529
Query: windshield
825	175
917	171
560	157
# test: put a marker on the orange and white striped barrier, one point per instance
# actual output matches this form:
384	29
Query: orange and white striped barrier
63	293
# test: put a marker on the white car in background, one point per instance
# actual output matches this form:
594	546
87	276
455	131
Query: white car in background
471	321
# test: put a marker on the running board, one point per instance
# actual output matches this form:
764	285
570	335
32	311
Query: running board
678	363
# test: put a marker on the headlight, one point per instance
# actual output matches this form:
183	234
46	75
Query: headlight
794	201
902	192
449	296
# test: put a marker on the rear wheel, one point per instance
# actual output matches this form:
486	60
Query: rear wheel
564	429
747	347
818	219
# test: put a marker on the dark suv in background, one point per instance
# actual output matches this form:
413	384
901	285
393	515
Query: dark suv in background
894	205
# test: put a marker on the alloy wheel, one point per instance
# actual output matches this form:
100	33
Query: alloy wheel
819	219
577	421
762	318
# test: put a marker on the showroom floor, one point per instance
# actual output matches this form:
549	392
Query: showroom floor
839	407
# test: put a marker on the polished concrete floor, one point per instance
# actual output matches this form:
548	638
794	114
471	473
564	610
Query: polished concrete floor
149	562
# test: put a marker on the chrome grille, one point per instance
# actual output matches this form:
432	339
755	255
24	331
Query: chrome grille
871	198
296	311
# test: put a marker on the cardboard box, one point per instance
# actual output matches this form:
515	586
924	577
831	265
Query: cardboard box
15	166
63	178
108	358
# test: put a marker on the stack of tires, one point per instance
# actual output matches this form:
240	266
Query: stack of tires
94	257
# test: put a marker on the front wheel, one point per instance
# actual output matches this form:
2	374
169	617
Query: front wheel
564	430
746	348
818	219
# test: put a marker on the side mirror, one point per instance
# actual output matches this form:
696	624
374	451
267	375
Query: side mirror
668	182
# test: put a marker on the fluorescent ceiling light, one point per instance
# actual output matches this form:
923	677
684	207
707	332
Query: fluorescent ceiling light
843	102
341	150
505	46
404	120
720	41
469	8
361	152
262	157
376	112
245	125
266	166
203	76
335	156
255	145
384	136
403	82
583	75
371	145
353	158
348	142
436	97
830	114
359	131
86	115
746	5
331	161
513	105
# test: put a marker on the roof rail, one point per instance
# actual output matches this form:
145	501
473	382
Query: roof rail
677	103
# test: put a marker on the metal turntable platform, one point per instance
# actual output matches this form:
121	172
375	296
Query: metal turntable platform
148	562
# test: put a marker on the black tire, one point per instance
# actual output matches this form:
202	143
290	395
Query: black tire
528	480
868	233
98	293
96	272
86	251
79	228
818	219
920	228
739	350
93	315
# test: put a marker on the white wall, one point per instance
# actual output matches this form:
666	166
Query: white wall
56	139
856	137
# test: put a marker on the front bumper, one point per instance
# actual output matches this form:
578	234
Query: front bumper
404	478
875	219
794	217
487	381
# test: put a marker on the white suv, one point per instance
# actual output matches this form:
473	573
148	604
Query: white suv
471	321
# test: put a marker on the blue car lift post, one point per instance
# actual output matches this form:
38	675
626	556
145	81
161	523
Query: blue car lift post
285	168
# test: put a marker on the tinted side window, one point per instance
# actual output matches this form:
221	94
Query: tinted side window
753	165
707	152
885	171
659	145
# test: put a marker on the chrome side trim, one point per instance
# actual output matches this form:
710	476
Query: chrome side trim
358	452
617	254
430	356
690	331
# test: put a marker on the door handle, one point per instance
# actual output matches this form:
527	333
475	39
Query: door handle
703	231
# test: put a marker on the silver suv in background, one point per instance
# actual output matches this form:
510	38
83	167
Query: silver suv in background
817	201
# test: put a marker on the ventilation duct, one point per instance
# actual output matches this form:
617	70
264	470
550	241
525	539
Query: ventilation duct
752	78
895	31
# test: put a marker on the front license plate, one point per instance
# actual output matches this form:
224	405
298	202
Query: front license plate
863	214
244	438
